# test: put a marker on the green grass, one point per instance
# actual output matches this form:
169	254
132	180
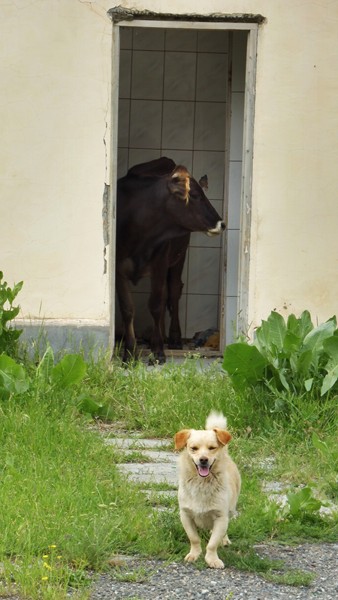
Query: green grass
66	511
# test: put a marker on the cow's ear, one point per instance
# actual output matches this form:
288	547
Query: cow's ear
181	438
204	182
179	183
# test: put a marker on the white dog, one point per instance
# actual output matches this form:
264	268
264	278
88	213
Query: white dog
209	485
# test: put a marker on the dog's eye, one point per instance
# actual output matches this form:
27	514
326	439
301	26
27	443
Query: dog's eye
212	448
193	448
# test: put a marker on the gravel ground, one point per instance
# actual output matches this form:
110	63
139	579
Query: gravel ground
179	580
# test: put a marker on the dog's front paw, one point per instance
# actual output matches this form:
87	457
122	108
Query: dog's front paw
214	562
192	556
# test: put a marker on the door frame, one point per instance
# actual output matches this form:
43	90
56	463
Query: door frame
228	23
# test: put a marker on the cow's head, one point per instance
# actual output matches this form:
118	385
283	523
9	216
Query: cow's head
192	208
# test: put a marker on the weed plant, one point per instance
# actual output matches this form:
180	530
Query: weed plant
67	511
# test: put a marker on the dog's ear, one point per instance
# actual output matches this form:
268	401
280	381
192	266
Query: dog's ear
223	436
181	438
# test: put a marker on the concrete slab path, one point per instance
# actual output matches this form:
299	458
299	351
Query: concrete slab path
159	466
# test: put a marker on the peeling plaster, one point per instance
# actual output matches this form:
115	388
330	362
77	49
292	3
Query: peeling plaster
105	224
120	13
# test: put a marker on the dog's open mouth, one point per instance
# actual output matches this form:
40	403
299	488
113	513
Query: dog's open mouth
203	471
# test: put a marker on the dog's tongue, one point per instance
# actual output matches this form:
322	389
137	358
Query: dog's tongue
203	471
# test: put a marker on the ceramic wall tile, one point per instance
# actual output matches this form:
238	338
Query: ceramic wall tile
147	80
145	123
179	76
125	73
180	157
141	155
126	38
209	126
148	39
212	165
234	200
213	41
212	76
202	313
181	40
178	125
122	162
123	126
203	275
239	61
236	127
232	262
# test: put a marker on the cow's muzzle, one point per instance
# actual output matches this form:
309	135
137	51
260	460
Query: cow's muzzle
220	226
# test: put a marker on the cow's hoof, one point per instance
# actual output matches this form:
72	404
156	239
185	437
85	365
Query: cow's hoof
128	358
157	359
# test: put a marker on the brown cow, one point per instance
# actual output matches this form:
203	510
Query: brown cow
158	205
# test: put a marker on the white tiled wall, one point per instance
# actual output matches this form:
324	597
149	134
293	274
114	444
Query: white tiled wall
173	95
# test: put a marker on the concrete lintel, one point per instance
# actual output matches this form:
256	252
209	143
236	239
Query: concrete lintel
120	13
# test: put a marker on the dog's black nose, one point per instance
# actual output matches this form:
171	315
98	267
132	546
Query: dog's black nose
204	461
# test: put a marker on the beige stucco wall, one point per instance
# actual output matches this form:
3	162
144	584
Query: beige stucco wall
55	109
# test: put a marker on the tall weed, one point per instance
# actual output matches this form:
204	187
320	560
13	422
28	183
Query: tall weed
293	356
8	335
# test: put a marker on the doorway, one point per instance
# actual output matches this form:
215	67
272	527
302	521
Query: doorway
182	93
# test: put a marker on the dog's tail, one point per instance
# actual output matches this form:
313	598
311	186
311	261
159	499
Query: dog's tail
216	420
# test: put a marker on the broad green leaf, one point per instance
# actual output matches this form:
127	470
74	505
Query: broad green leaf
69	371
308	384
283	379
303	501
330	346
301	326
330	378
8	315
291	344
244	364
301	363
16	289
270	335
314	340
88	405
13	377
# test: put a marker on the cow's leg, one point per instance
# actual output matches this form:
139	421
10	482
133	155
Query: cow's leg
175	287
157	307
127	313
